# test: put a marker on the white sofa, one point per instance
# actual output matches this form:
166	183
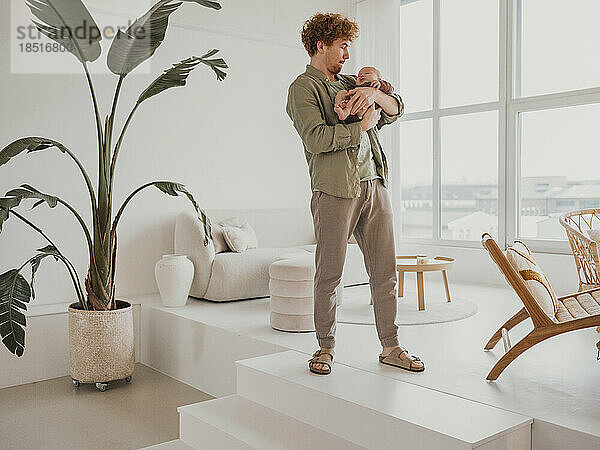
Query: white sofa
237	276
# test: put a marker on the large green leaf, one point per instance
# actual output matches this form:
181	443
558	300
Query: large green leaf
14	198
139	42
175	189
15	293
215	64
69	23
49	250
177	75
29	144
6	204
29	192
35	144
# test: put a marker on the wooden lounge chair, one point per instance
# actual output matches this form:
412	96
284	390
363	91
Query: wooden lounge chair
574	312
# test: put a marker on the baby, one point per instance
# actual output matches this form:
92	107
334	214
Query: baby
367	77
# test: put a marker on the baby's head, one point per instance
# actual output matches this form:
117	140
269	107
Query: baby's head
367	75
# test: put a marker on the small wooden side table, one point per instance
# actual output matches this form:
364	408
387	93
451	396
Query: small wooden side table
409	264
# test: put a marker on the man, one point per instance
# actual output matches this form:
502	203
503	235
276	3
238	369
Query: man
348	172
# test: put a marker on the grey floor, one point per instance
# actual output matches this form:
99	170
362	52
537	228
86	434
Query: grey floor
54	414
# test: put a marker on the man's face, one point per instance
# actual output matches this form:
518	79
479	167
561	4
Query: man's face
336	55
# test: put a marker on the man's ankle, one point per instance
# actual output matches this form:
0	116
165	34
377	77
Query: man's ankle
387	350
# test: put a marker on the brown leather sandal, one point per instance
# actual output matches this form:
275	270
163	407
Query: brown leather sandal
321	357
399	357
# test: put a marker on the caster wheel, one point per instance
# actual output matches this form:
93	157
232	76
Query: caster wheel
76	383
102	386
128	379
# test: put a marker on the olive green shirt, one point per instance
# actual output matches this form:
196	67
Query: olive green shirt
367	170
331	147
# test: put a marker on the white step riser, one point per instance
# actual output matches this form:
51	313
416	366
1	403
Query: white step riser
376	411
176	444
253	425
352	422
201	435
518	439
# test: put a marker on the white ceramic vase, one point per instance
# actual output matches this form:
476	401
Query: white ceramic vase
174	274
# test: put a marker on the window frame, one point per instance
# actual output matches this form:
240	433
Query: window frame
510	105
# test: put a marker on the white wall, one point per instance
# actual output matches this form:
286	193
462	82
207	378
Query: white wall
231	143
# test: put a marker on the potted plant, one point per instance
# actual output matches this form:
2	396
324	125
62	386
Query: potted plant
100	326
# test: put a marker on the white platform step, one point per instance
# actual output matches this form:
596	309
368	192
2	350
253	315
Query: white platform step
177	444
235	422
375	411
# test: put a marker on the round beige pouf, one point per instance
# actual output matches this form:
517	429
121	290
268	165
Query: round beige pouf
291	286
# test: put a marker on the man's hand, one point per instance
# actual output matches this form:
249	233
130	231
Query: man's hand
362	98
370	118
341	111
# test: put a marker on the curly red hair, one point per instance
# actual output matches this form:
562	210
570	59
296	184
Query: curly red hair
327	28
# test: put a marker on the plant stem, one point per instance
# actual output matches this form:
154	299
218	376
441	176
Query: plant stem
120	141
115	100
97	220
71	269
111	125
95	102
113	231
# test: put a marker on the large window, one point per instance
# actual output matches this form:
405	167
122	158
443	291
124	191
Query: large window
469	197
558	45
450	180
416	164
416	48
468	52
559	167
501	124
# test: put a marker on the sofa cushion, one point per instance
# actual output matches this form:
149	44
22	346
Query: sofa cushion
236	238
521	259
236	276
245	229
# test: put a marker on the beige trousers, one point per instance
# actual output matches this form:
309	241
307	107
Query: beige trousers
370	219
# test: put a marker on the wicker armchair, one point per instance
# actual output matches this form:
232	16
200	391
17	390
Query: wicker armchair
585	250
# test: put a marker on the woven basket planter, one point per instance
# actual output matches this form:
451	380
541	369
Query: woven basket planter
101	343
